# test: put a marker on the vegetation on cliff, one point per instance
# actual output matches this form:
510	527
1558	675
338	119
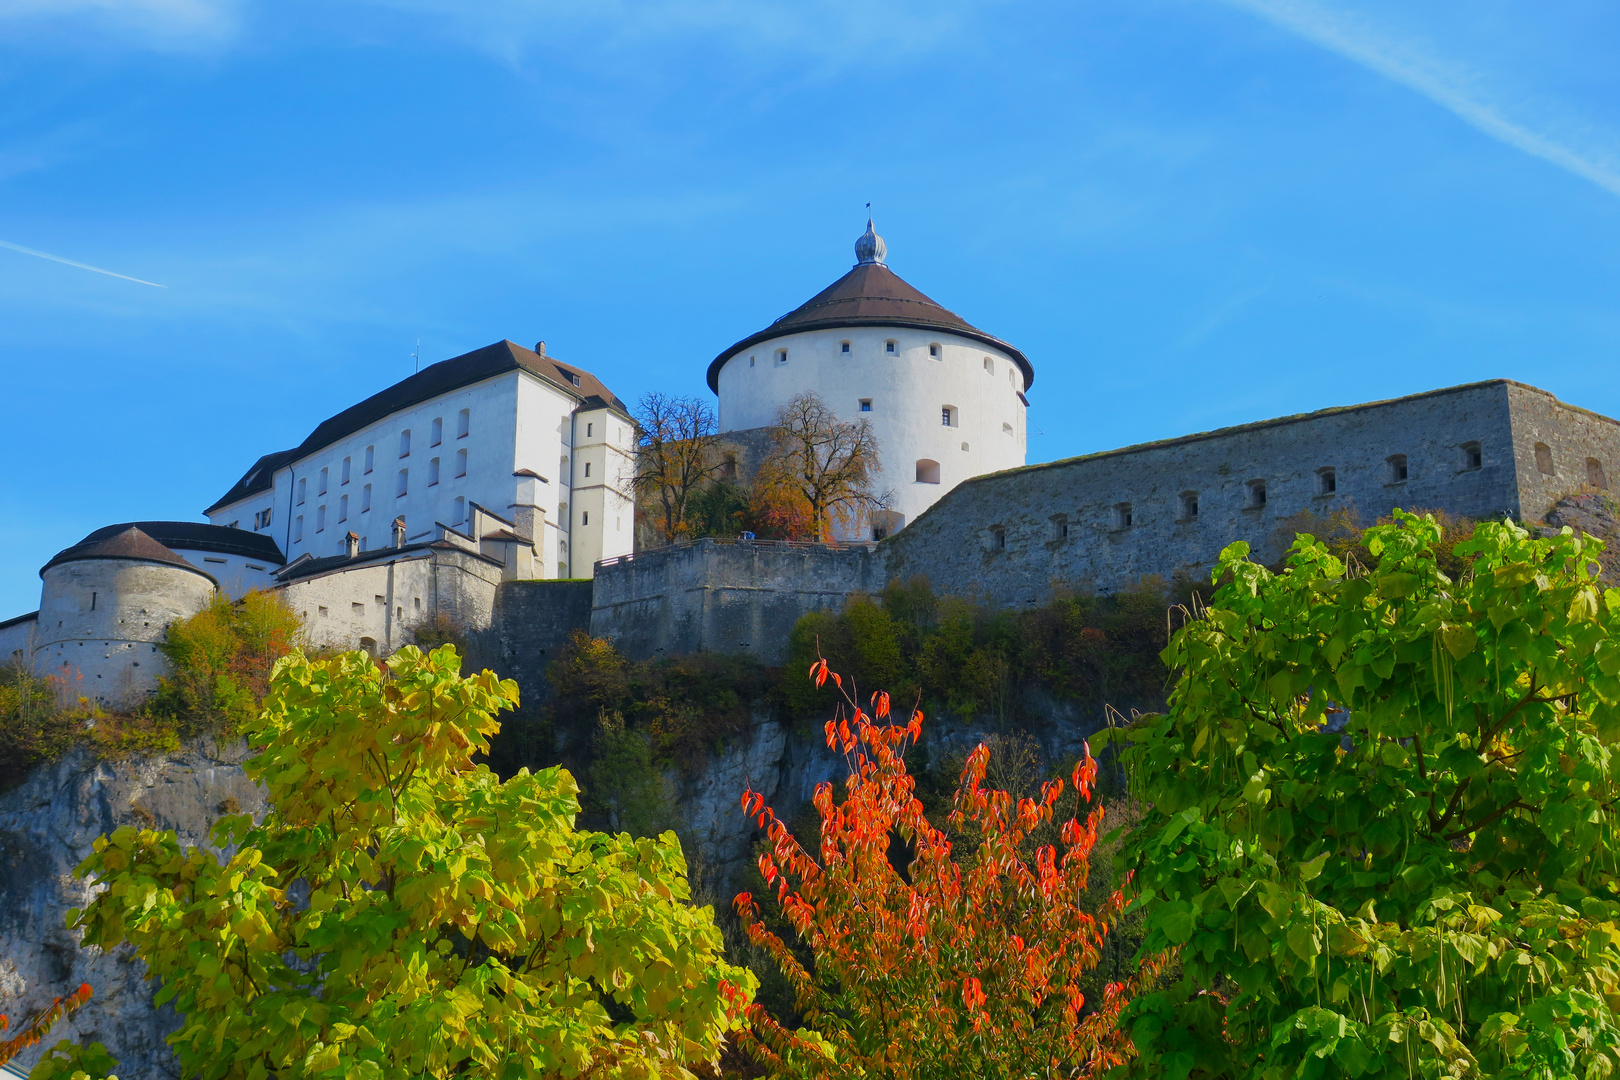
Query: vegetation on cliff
402	911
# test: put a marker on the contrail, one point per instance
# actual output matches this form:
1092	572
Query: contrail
80	265
1428	77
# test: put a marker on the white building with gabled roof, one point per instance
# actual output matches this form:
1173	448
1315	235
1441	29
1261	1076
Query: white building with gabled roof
542	446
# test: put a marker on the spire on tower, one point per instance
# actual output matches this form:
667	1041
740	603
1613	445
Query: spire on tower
870	248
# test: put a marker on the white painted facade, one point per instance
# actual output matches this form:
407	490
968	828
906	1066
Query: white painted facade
237	574
505	443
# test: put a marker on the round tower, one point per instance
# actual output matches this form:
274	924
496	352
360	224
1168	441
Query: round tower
945	399
104	606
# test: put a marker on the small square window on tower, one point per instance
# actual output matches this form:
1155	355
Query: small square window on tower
891	347
934	351
866	404
781	356
843	346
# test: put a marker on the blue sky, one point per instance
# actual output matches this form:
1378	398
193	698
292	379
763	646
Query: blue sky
1189	213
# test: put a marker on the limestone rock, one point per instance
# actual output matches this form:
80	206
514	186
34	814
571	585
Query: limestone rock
47	826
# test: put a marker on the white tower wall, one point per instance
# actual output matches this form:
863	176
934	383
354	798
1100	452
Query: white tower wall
908	391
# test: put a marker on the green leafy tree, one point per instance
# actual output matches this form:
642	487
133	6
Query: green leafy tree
402	912
1383	817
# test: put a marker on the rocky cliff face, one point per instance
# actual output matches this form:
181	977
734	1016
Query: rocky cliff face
47	826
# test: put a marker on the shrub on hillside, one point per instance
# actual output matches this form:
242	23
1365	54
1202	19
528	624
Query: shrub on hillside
220	661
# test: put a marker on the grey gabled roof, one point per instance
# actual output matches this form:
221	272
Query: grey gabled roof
431	382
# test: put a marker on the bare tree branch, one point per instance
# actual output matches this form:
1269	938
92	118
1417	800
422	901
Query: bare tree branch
675	442
831	463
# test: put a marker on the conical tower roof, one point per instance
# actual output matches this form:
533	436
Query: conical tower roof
869	295
131	544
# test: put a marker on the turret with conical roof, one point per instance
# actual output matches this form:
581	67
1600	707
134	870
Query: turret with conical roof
945	399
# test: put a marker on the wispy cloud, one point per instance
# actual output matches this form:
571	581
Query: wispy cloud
1447	83
164	25
82	266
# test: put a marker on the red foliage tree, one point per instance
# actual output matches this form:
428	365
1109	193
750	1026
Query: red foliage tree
945	968
37	1026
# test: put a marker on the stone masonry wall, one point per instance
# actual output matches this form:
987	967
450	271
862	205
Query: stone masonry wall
1012	537
718	595
531	622
1583	449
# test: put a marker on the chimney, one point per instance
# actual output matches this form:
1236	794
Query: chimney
351	544
399	532
540	347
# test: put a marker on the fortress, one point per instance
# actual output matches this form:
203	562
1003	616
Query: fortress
494	489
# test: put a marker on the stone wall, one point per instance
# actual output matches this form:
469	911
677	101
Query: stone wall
1106	520
531	621
716	595
1582	449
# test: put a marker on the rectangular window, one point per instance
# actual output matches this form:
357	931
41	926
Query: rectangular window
781	356
436	434
843	347
1396	464
461	463
998	538
588	429
1189	506
433	472
365	498
404	482
463	423
947	416
890	347
298	529
405	443
866	404
587	468
303	484
1473	458
461	510
322	490
343	508
1122	516
346	462
371	452
933	352
1257	494
585	517
320	519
